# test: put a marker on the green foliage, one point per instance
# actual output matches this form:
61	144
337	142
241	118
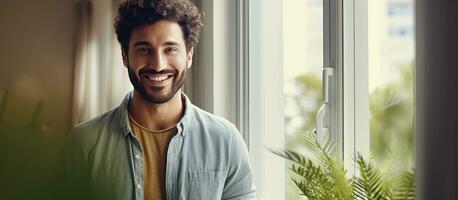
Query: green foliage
27	152
406	189
369	185
320	176
3	104
391	124
306	102
31	157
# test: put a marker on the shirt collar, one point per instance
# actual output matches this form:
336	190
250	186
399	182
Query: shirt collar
123	114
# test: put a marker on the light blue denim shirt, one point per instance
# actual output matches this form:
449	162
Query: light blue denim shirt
206	160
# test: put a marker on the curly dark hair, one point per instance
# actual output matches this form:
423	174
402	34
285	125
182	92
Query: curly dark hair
136	13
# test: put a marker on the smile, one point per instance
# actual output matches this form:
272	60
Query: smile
158	78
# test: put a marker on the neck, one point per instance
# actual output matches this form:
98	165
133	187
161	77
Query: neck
156	116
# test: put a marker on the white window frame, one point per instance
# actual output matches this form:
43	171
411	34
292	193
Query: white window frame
265	78
346	50
354	76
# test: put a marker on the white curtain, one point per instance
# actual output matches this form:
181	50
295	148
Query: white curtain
100	79
85	73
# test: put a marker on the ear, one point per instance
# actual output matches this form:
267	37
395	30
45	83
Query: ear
189	57
125	59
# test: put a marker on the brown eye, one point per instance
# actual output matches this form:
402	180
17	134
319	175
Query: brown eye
170	50
143	50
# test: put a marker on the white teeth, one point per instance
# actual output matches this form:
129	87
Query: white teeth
157	78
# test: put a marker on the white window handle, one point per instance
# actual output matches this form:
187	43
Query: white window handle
322	116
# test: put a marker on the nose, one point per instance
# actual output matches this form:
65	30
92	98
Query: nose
156	61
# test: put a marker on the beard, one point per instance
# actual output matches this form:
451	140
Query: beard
154	94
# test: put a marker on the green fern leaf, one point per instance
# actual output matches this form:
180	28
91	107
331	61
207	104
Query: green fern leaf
342	186
406	190
291	156
370	184
320	150
319	176
315	183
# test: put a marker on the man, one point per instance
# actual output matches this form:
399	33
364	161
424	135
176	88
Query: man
157	144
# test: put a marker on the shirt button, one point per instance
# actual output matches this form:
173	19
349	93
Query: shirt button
137	156
139	186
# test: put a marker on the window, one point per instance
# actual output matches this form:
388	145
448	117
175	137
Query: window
302	26
357	54
377	87
390	70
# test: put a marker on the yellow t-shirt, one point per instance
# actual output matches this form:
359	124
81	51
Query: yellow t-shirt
154	144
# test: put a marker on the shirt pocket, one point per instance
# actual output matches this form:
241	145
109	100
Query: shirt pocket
205	185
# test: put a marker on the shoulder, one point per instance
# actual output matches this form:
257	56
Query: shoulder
87	133
216	127
213	122
97	123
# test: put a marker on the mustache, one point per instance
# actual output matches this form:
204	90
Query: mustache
153	72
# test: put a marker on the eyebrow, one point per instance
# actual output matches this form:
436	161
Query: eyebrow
145	43
142	43
171	43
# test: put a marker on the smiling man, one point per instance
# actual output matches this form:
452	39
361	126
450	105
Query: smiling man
157	144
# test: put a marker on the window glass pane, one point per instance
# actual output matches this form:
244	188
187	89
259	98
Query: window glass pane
391	56
303	61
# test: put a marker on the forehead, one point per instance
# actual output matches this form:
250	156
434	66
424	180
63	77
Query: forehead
158	33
